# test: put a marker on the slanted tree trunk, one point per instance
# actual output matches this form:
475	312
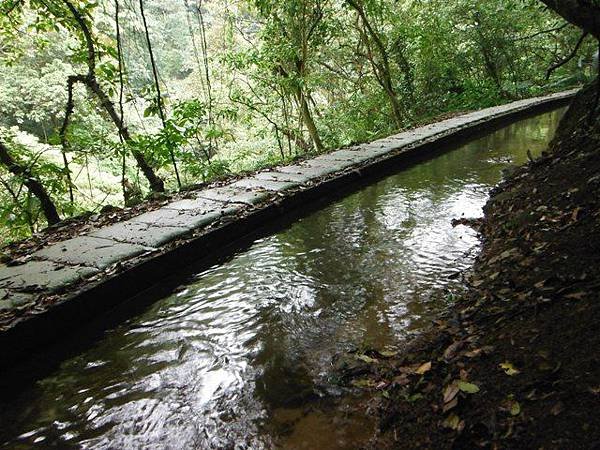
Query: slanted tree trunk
33	185
63	139
381	68
89	80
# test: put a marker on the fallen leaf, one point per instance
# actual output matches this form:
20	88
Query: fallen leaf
469	388
452	421
515	408
366	359
413	398
557	409
450	352
401	380
407	370
450	392
387	353
532	395
473	353
509	253
364	383
381	385
509	369
451	404
544	354
426	367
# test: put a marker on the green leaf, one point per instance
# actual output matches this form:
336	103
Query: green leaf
366	359
363	383
469	388
452	421
515	409
413	398
509	369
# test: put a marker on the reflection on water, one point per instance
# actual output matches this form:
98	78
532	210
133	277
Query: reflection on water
240	355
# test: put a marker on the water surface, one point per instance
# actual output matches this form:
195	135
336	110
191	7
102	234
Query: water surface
240	355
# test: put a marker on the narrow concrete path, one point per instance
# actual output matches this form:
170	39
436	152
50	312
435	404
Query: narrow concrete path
61	272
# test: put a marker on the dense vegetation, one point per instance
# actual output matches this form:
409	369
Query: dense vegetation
107	102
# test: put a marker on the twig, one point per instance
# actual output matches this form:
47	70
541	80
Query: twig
568	58
551	30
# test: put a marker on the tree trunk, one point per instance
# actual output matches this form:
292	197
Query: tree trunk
586	15
33	185
121	94
583	13
392	98
63	137
157	87
156	184
308	120
382	70
89	80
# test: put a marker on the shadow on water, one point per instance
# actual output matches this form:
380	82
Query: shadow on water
240	351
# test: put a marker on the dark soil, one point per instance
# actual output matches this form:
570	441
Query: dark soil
516	362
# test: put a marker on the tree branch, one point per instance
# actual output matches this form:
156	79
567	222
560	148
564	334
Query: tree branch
33	185
568	58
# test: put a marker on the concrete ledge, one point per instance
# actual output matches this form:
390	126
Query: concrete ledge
126	258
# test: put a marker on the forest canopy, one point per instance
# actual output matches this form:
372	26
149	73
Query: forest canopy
108	102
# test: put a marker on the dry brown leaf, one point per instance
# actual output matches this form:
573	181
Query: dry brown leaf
425	367
473	353
450	352
401	380
451	404
450	392
557	408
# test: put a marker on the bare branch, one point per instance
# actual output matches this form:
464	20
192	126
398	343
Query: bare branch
569	57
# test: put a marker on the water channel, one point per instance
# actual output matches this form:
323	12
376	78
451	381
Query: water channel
240	355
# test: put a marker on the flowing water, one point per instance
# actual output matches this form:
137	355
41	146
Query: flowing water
240	355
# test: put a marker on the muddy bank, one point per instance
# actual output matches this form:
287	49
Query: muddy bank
515	363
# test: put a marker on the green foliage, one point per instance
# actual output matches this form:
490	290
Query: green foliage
251	84
20	212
